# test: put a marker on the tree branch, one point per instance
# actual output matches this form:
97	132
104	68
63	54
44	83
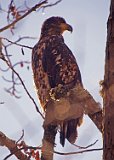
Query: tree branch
97	118
88	146
11	145
23	16
32	99
78	152
50	5
20	45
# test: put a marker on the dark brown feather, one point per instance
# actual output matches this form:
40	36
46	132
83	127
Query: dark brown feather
53	65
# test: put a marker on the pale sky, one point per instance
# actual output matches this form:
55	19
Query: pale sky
88	40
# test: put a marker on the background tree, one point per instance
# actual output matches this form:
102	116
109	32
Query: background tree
108	88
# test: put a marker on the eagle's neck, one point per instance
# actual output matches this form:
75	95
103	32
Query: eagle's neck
51	31
49	35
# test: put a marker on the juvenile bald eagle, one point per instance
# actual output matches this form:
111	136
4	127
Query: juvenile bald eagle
54	66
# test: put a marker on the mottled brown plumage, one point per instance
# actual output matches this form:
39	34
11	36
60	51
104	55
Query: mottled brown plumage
55	69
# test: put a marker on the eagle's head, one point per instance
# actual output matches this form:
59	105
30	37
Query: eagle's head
55	25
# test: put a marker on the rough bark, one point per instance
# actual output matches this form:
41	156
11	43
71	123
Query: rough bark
11	145
97	119
48	142
108	146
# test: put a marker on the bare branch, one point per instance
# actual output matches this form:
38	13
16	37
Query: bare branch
32	99
97	118
23	16
20	137
13	89
11	145
16	148
9	64
21	45
78	152
80	147
51	4
56	152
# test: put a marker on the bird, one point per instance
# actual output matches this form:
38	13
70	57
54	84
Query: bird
55	71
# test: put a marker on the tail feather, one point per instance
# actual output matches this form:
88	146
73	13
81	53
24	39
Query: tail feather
72	130
63	132
68	130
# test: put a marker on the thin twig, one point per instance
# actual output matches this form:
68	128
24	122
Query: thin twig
20	137
11	145
11	81
21	45
23	16
51	4
12	90
80	147
32	99
56	152
78	152
21	38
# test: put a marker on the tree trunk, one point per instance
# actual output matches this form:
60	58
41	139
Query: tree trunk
108	145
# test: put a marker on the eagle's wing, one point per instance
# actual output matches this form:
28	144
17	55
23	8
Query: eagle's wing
54	65
41	79
59	63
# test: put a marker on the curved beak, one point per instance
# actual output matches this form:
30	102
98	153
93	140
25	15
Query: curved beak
69	28
65	26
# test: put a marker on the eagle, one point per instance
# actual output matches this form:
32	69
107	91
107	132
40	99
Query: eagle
55	70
